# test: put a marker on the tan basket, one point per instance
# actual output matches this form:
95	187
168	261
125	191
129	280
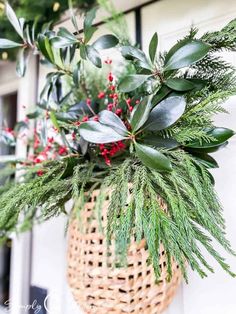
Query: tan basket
99	288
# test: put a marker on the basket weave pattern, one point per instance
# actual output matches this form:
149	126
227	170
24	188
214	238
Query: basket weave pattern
100	288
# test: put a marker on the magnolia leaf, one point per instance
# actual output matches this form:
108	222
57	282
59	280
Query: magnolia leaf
179	84
112	120
95	132
131	82
6	44
186	55
159	141
160	95
153	47
14	20
130	52
93	56
166	113
206	160
140	114
62	42
152	158
106	42
21	62
220	135
63	32
89	33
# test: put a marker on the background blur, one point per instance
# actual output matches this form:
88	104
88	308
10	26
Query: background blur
34	265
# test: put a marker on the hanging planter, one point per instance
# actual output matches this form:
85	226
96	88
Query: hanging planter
98	286
145	134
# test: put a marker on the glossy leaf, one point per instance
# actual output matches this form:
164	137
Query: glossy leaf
220	135
14	20
130	52
89	18
95	132
152	158
106	42
89	33
188	54
21	62
179	84
153	47
166	113
7	138
72	15
140	114
207	160
45	47
63	32
6	44
93	56
112	120
62	42
159	141
160	95
76	74
131	82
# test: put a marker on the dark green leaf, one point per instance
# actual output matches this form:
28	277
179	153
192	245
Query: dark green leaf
152	158
105	42
176	47
45	47
20	126
7	138
140	114
131	82
179	84
6	44
66	116
112	120
21	62
95	132
89	33
160	95
89	17
220	135
166	113
93	56
206	160
83	53
76	74
153	47
63	32
14	20
33	115
159	141
130	52
62	42
186	55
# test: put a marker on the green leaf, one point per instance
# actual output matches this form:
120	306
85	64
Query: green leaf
105	42
63	32
166	113
93	56
130	52
206	160
45	47
7	138
6	44
179	84
83	53
140	114
54	120
160	95
95	132
89	17
186	55
152	158
88	34
131	82
110	119
220	135
33	115
62	42
14	20
76	74
159	141
153	47
72	15
21	62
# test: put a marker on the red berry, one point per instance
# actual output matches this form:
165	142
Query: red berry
40	173
85	118
119	111
109	107
110	77
88	102
101	95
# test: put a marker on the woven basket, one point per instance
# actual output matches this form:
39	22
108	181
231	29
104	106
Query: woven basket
101	289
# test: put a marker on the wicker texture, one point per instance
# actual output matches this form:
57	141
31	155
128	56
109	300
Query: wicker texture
100	288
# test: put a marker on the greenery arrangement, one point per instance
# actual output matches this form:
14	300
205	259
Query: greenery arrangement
144	132
37	13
